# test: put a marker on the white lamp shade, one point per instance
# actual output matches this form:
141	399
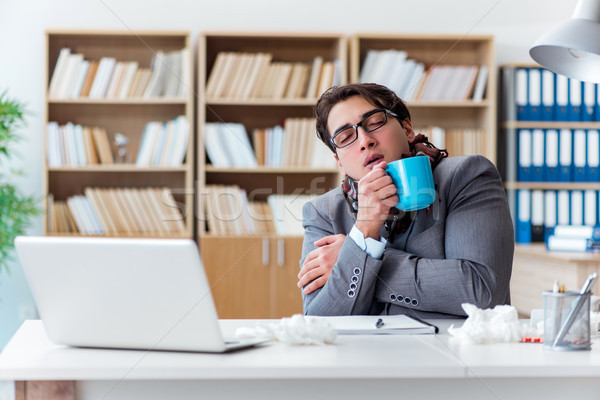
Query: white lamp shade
571	49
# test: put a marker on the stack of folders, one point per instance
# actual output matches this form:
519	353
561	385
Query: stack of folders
538	212
558	155
574	238
542	95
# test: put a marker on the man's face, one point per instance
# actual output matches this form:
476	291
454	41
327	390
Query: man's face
387	143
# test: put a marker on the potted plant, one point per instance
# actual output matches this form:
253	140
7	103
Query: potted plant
15	208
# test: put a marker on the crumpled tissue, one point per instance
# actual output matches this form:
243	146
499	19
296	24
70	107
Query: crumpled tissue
500	324
297	329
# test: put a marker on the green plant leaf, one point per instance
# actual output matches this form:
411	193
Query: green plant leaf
16	209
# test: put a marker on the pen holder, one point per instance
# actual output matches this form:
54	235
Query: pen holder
566	321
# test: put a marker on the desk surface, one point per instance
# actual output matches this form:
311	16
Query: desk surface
31	356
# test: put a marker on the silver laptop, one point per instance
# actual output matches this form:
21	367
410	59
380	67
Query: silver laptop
149	294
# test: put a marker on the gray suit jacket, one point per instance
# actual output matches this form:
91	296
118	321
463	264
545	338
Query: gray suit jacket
461	251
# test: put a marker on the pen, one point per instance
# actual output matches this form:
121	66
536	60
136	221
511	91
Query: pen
557	307
436	329
379	323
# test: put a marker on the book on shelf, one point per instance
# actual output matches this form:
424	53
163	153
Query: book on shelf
240	76
237	75
259	68
215	74
140	82
229	212
124	86
62	220
75	77
100	137
481	83
326	78
77	83
115	79
89	78
83	214
287	212
164	144
175	77
224	74
293	145
314	78
394	69
228	145
70	70
74	145
118	212
258	143
435	134
59	71
101	80
260	213
280	84
156	83
262	76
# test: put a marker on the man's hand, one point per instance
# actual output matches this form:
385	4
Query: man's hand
318	264
376	195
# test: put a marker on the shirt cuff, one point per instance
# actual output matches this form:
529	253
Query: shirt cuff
372	247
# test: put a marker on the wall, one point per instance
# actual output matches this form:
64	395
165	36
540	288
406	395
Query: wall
515	23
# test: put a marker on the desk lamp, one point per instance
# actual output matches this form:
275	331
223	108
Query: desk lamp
573	47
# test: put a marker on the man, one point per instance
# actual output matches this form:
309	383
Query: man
362	256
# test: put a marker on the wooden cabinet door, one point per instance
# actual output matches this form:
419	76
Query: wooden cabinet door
286	297
239	281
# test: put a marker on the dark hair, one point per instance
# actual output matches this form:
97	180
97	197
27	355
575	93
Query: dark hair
378	95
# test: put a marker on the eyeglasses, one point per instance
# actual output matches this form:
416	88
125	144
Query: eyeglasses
371	122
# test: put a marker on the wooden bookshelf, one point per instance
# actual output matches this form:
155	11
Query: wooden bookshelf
127	116
255	277
442	50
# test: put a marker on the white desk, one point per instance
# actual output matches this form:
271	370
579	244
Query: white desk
355	367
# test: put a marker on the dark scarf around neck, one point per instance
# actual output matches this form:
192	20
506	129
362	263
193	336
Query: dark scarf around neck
397	221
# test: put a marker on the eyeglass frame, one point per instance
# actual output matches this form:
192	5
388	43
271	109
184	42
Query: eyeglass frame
355	126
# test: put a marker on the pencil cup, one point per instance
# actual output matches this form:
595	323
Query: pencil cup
566	321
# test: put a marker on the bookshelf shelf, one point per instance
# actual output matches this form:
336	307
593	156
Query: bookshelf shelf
550	125
552	185
129	101
270	170
262	102
449	104
81	165
119	168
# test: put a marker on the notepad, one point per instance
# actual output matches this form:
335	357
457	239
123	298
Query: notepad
392	325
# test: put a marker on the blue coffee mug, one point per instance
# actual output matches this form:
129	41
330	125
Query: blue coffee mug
414	182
